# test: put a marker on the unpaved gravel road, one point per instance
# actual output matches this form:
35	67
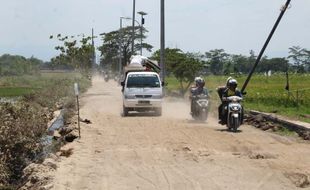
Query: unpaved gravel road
173	151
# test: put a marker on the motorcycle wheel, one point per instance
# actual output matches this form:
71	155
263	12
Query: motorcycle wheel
203	115
235	124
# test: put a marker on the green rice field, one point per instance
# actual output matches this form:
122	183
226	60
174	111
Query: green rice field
267	94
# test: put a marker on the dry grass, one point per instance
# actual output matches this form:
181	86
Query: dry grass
20	135
24	123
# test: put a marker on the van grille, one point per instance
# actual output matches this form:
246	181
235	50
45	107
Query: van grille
143	96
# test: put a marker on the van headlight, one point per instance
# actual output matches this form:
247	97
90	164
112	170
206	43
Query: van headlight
130	96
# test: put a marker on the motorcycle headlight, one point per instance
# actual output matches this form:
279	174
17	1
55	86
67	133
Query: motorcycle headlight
234	108
203	103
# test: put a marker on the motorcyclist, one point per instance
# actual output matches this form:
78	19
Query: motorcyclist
230	90
221	89
197	90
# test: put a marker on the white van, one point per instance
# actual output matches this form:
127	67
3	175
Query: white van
142	91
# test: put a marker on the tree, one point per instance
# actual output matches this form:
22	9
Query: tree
18	65
184	66
240	63
299	56
217	59
273	64
118	40
307	60
75	53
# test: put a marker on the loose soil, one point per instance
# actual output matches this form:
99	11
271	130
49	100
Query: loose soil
173	151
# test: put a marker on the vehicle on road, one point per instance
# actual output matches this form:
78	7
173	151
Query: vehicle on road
234	112
142	92
200	107
106	77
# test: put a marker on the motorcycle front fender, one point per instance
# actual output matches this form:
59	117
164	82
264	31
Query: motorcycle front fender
235	115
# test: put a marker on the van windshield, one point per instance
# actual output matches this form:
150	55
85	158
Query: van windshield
143	81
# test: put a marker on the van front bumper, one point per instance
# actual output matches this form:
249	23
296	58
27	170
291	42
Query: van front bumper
143	103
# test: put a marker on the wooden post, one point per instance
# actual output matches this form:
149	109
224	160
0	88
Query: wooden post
297	97
76	91
78	109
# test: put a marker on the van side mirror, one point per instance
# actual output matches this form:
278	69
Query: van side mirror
163	84
123	83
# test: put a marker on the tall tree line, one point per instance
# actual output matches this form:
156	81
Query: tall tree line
19	65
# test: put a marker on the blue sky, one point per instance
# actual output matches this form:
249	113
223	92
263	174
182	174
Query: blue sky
191	25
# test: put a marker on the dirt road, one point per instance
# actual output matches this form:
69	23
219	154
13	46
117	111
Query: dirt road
174	152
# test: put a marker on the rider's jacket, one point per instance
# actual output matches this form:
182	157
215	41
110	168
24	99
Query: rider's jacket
227	92
196	91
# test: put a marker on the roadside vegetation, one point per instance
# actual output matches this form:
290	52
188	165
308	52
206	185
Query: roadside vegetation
23	121
266	94
29	97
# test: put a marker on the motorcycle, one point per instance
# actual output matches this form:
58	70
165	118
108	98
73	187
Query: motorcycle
234	112
106	77
200	107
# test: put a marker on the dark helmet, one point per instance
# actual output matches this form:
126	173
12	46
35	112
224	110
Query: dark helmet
232	84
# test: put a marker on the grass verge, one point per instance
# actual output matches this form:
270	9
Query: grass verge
266	94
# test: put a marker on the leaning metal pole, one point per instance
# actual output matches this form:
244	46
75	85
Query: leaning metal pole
265	45
162	40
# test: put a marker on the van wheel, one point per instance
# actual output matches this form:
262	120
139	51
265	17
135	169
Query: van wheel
125	111
158	111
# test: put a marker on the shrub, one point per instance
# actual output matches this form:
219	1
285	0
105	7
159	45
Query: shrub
21	130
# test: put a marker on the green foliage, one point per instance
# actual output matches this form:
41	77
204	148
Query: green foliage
273	64
184	66
217	59
74	53
301	58
18	65
266	94
15	91
220	62
121	39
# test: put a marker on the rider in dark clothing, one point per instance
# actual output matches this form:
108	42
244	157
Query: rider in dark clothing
230	90
197	90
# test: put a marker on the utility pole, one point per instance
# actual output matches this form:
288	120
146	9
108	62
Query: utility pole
120	47
141	28
94	51
93	45
162	40
283	9
133	26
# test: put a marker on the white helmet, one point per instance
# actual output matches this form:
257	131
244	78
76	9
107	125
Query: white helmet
227	81
199	82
